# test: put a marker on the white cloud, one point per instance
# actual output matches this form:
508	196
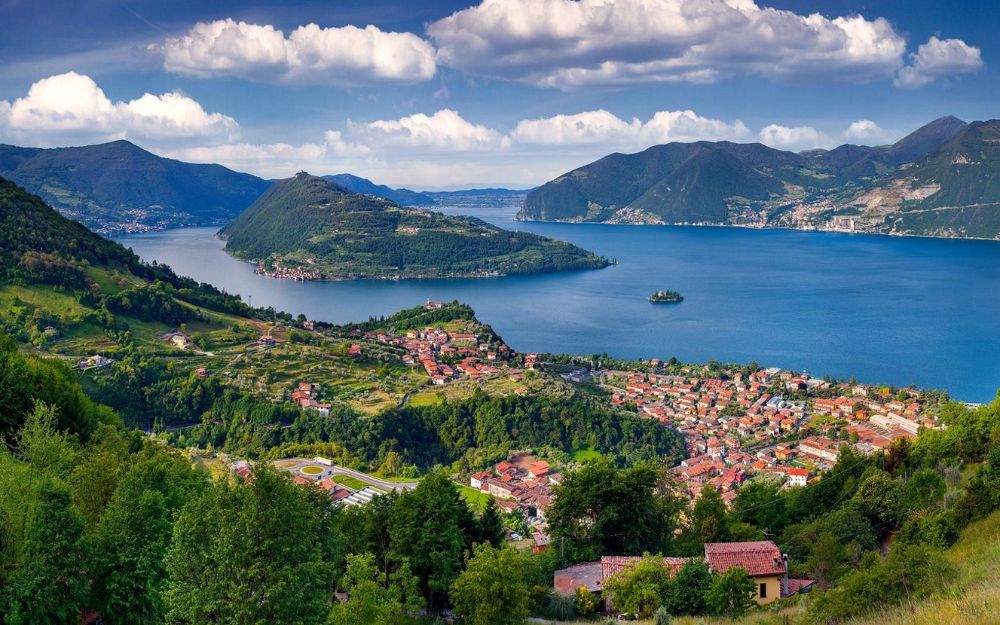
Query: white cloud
793	138
445	130
939	58
310	54
573	43
602	127
865	131
71	107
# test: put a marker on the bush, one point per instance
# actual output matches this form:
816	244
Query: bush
662	616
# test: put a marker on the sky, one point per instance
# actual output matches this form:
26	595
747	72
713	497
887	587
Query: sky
441	95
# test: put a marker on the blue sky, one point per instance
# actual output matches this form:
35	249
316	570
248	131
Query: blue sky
501	92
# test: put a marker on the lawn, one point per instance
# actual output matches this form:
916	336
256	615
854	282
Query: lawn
426	398
352	482
477	499
586	455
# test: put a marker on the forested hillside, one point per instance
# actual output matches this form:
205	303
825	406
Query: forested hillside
119	187
310	227
939	180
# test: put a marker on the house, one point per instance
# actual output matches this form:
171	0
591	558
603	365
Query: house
354	351
538	469
763	561
798	477
476	480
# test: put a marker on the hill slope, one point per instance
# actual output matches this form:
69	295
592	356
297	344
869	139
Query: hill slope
403	197
119	187
308	227
943	179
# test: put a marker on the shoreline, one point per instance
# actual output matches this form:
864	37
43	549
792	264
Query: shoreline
750	227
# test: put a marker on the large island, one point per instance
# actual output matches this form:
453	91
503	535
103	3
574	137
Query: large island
309	228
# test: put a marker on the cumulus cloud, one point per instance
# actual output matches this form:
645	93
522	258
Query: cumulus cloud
445	130
865	131
310	54
574	43
793	138
939	58
71	107
602	127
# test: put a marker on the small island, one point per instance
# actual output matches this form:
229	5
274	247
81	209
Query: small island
666	297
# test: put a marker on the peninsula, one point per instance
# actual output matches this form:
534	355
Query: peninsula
309	228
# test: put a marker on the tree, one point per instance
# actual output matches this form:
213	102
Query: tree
761	504
731	594
131	540
491	590
375	598
427	528
49	584
686	594
640	589
95	476
42	446
600	510
877	498
392	466
491	528
709	523
248	553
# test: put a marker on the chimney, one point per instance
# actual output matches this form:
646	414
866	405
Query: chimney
784	577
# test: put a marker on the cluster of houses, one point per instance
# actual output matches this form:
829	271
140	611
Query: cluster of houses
288	273
739	427
522	483
762	560
446	356
306	395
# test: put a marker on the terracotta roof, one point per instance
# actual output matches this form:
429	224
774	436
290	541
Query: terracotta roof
758	558
799	585
611	565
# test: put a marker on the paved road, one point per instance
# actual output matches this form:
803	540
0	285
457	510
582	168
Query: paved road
335	470
370	479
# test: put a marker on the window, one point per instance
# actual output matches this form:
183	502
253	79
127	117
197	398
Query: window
763	591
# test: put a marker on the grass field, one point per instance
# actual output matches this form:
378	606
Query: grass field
352	482
426	398
476	499
586	455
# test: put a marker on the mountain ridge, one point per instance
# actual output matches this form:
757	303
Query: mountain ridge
850	187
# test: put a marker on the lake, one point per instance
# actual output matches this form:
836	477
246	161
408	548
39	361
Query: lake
882	309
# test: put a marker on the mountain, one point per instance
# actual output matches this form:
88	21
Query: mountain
310	228
119	187
942	179
951	191
403	197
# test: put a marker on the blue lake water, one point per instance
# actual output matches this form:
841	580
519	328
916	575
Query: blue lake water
885	310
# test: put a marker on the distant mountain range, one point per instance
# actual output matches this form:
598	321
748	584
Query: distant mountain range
308	227
118	187
403	197
942	180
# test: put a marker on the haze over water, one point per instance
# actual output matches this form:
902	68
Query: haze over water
882	309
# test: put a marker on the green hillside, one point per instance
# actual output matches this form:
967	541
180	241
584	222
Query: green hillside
312	225
943	179
119	187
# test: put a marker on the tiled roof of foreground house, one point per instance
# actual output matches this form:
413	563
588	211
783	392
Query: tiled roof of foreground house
611	565
758	558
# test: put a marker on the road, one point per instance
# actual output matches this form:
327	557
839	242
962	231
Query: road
372	480
294	466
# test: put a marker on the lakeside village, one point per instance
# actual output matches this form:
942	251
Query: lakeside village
738	424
